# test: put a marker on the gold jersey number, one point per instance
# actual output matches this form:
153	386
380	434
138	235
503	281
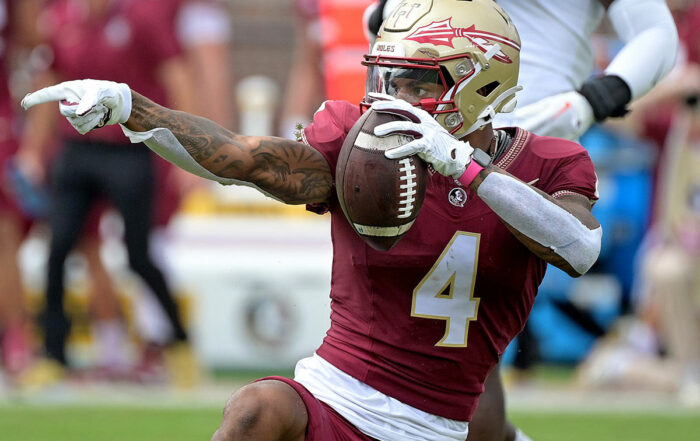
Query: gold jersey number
447	291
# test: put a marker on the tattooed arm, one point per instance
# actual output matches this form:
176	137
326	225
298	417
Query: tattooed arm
290	171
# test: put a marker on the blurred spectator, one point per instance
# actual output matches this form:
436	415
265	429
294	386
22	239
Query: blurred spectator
667	301
123	40
305	91
203	28
670	264
657	347
18	201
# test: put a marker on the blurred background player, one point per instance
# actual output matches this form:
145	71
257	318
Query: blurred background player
559	99
303	94
19	205
655	346
120	39
324	63
204	31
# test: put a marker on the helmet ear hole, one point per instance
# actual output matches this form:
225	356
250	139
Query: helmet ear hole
487	89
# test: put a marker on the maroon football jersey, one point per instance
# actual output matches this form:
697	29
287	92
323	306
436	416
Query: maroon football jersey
8	143
8	138
128	43
427	321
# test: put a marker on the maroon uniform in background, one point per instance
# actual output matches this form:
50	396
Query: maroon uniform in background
128	41
658	119
127	45
389	321
8	138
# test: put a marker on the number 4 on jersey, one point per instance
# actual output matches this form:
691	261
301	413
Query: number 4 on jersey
446	292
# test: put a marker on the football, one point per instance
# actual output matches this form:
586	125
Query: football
380	197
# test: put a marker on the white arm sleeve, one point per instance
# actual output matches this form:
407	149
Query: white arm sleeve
166	145
651	43
541	220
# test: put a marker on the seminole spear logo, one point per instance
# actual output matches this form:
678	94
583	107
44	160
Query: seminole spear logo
442	33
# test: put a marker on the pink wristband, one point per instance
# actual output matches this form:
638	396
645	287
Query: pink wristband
470	173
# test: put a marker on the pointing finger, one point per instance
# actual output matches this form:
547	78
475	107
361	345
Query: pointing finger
49	94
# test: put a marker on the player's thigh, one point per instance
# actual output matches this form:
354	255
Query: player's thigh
129	184
267	410
489	421
71	197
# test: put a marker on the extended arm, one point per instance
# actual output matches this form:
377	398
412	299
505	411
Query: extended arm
286	170
645	27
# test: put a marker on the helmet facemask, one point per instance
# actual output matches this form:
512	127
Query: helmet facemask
421	82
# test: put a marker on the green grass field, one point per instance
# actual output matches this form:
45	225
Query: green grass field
107	423
544	426
125	423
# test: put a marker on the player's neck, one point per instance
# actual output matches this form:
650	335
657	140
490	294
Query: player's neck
482	139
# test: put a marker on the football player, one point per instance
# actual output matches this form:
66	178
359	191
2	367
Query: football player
120	40
416	330
21	202
562	99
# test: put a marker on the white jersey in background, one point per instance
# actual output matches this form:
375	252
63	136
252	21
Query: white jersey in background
556	54
560	97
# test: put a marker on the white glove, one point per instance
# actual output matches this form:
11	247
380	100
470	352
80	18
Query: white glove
87	104
436	146
377	96
566	115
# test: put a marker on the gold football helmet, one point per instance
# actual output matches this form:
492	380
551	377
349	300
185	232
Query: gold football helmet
457	59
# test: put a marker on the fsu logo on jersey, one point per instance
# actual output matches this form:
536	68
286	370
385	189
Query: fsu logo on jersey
442	33
457	197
